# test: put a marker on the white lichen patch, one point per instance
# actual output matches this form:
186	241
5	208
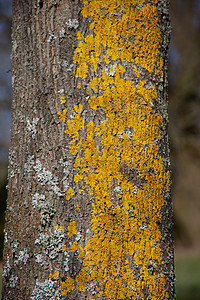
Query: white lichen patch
118	190
39	259
62	91
64	64
129	134
66	262
28	166
12	281
23	256
135	190
36	198
72	23
66	171
44	177
70	68
110	69
5	236
31	126
45	290
52	244
7	268
51	36
78	236
143	226
62	33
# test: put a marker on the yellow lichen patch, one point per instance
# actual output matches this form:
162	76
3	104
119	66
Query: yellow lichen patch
78	108
67	286
59	227
81	280
69	193
74	246
118	159
62	115
81	252
63	99
64	248
75	124
79	85
94	84
71	229
54	276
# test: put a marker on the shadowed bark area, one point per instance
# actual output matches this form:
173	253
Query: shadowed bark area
89	208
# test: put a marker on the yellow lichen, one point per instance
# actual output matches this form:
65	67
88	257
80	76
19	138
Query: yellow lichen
126	33
62	115
69	193
54	276
59	227
67	286
71	229
79	85
74	246
63	99
64	248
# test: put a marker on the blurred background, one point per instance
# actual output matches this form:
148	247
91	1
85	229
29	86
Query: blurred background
184	132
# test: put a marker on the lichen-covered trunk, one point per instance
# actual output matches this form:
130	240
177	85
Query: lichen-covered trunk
89	210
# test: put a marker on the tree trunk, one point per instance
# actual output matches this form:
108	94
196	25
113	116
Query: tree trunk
89	211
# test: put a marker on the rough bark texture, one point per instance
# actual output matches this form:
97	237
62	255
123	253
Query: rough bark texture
89	211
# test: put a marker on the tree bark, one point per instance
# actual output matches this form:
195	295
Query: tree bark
89	212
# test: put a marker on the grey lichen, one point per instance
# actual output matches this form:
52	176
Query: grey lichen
36	198
5	236
66	261
46	213
45	290
28	166
32	126
110	69
47	210
12	281
51	36
44	177
72	23
62	33
7	268
39	259
52	244
23	256
66	171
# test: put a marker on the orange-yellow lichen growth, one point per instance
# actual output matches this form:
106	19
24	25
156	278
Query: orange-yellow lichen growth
67	286
79	85
74	246
63	99
64	248
118	158
71	229
69	193
54	276
59	227
62	115
76	123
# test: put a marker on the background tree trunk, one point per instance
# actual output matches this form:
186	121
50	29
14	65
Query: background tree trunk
89	211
